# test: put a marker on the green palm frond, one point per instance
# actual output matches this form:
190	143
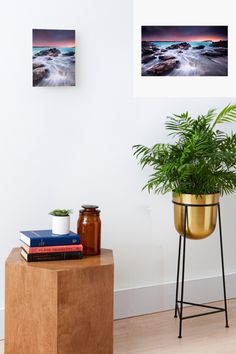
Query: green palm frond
178	124
201	161
211	114
227	115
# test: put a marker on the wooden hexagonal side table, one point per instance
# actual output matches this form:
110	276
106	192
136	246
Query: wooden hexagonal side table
59	307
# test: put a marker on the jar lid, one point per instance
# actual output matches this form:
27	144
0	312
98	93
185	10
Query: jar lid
88	208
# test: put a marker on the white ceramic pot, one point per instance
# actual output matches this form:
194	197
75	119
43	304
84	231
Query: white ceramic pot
60	225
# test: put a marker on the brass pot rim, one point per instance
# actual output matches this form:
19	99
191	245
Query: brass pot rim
185	198
194	194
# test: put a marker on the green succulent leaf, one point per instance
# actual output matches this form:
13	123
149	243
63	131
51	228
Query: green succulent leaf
61	212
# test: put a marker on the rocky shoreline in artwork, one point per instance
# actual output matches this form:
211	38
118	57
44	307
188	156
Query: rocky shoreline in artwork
53	67
184	59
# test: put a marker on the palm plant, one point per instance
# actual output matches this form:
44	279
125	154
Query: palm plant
202	160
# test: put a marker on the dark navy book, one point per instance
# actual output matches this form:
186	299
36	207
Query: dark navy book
39	238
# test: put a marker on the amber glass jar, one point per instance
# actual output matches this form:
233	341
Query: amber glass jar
89	229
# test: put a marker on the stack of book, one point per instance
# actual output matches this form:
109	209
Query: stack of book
42	245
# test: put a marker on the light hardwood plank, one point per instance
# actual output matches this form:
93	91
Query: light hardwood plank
157	333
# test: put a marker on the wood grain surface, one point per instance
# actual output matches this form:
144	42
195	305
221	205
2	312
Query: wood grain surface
59	307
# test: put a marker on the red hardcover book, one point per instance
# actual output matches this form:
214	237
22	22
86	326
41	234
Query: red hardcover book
52	249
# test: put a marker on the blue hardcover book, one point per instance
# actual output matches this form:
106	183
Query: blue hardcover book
47	238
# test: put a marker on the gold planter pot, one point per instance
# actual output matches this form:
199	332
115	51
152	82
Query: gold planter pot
201	220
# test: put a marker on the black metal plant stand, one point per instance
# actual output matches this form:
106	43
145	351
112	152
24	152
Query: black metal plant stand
179	303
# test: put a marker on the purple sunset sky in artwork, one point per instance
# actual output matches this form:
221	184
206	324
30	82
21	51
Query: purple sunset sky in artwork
184	33
53	38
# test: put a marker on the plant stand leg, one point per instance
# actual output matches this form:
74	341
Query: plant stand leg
223	269
183	270
177	279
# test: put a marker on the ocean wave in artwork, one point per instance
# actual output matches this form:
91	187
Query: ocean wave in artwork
53	66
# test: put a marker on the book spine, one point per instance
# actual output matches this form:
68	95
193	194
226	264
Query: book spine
54	256
52	249
55	241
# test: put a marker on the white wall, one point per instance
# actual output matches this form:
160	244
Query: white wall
62	147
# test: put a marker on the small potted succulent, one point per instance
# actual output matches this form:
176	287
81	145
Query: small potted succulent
61	221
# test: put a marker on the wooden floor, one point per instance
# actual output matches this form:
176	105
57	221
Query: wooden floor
157	334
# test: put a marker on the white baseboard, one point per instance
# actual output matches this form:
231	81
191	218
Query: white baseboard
161	297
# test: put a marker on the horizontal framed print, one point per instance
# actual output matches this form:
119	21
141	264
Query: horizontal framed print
53	57
183	52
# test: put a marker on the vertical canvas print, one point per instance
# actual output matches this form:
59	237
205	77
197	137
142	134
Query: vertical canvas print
184	51
53	57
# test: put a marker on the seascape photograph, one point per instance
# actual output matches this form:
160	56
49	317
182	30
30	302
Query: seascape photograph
53	57
184	51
